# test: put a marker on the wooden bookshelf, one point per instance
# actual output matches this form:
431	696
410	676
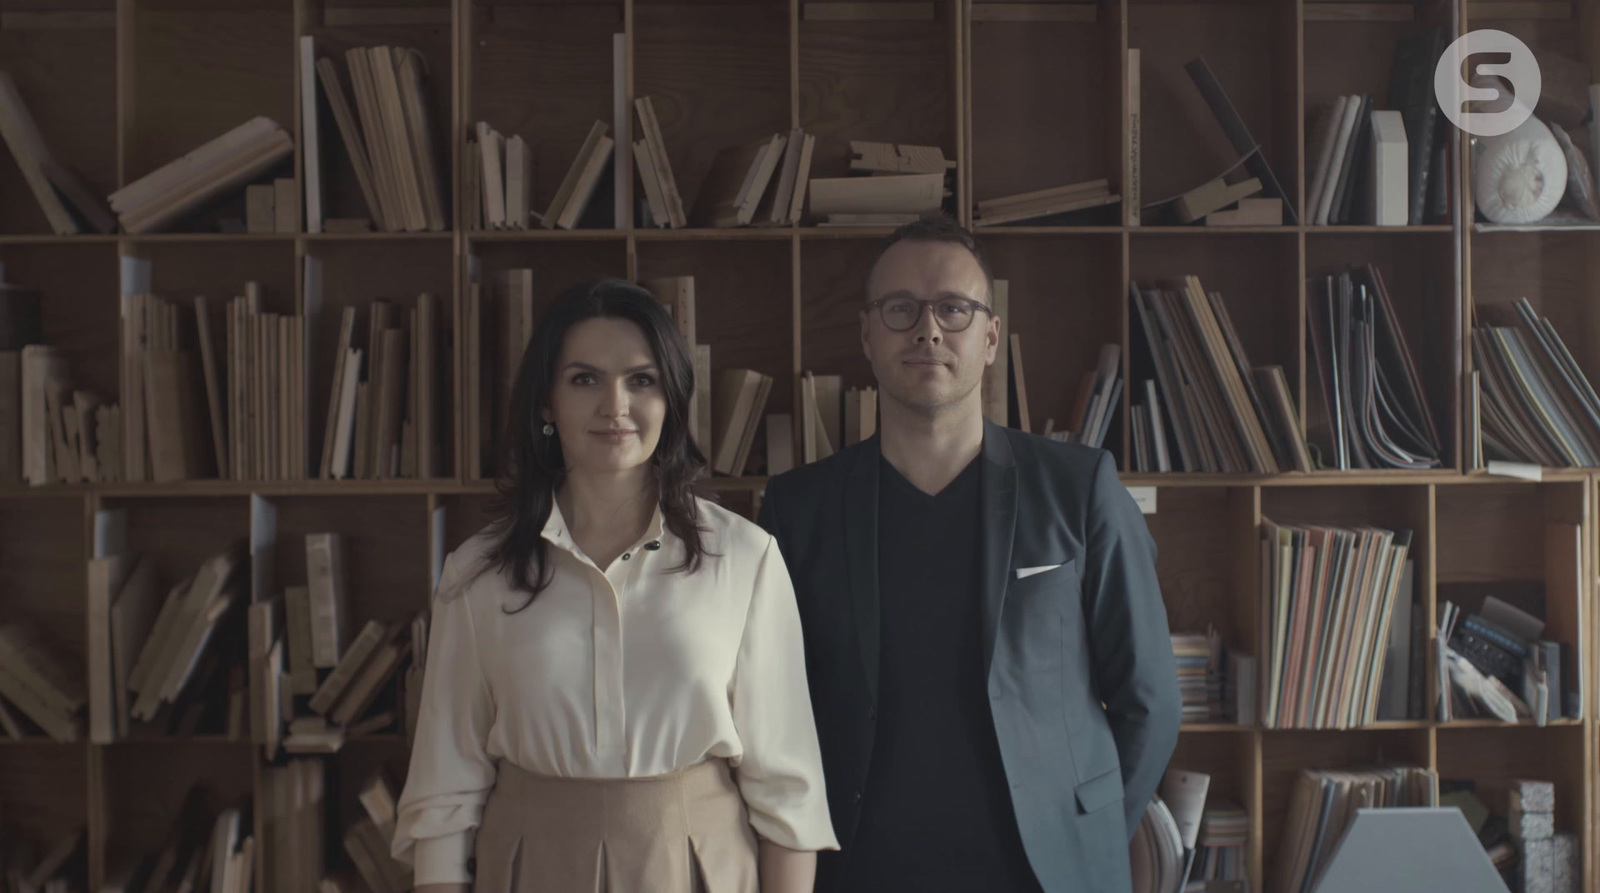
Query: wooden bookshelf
1023	96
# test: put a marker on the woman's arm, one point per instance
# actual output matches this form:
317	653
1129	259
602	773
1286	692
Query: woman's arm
782	870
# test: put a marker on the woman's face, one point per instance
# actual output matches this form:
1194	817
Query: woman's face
606	399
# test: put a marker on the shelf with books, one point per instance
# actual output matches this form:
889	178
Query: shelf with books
1181	143
546	73
161	794
1420	282
1229	758
1059	297
361	285
1348	167
42	551
194	72
66	72
743	309
1207	563
1511	563
72	285
1177	282
424	35
1025	139
44	796
716	76
881	78
1285	755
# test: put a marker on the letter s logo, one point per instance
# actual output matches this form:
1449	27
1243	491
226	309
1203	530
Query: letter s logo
1522	72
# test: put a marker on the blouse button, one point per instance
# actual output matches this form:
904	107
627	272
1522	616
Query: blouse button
626	556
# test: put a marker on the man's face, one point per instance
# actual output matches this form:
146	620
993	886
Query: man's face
926	368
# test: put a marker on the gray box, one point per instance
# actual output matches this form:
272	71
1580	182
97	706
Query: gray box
1536	871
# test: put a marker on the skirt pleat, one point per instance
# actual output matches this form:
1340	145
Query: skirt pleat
686	832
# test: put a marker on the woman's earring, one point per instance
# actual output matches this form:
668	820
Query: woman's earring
548	429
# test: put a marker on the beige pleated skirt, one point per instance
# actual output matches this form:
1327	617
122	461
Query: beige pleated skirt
687	832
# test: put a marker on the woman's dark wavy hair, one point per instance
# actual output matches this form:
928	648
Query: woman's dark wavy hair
532	466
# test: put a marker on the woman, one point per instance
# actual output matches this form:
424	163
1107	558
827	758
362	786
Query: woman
615	696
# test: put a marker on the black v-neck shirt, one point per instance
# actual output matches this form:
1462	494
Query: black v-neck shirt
936	813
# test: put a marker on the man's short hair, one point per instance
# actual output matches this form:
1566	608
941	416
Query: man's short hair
940	228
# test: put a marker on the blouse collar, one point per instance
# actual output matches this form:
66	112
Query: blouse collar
555	528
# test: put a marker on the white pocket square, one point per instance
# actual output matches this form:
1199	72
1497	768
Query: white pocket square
1024	573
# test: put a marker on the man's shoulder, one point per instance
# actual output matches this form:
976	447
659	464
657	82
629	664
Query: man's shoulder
1052	459
813	477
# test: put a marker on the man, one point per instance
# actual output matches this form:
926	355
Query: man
989	659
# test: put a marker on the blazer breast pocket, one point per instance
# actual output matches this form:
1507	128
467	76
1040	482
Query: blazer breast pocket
1039	597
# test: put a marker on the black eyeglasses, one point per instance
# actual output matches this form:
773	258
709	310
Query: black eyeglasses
952	314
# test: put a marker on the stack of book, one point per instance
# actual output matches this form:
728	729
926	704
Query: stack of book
1379	161
1499	663
1220	855
676	293
52	431
369	839
303	650
1199	657
1330	595
272	207
1370	409
1216	412
383	412
1164	844
206	849
43	680
149	646
737	407
761	183
1324	803
67	204
388	137
1099	391
1046	206
1535	404
173	429
214	169
889	185
665	204
499	181
831	418
58	870
293	804
170	670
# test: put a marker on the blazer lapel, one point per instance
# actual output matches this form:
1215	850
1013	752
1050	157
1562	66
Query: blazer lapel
861	551
999	526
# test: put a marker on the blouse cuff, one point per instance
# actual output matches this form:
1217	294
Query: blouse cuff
443	860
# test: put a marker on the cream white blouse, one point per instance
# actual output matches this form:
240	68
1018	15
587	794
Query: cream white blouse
625	671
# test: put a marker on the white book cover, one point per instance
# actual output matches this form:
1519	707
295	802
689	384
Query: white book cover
1390	169
310	144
